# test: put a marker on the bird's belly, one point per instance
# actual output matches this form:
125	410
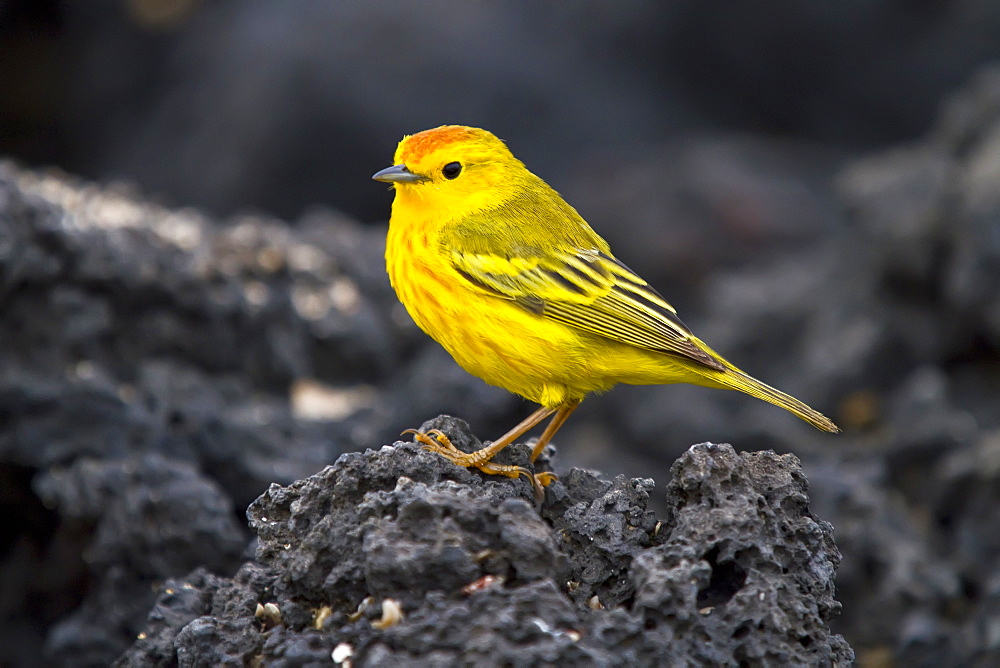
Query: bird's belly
519	352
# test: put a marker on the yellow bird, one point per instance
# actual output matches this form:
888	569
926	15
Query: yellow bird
495	266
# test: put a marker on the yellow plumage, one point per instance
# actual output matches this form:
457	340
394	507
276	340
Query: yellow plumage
495	266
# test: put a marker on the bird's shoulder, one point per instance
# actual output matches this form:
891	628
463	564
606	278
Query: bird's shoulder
530	222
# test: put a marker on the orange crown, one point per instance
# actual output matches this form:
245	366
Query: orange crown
416	147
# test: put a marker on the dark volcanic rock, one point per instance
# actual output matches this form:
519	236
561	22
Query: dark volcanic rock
584	506
739	572
150	518
201	620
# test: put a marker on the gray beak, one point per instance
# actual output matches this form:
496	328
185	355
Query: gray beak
397	174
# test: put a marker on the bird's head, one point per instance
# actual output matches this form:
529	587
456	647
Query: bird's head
454	170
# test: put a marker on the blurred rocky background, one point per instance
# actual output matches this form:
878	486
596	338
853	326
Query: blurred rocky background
193	303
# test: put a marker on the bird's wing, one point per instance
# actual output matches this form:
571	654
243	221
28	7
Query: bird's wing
589	290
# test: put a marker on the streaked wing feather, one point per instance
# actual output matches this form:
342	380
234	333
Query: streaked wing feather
591	291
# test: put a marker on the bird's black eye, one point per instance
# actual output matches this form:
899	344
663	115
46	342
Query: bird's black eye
451	170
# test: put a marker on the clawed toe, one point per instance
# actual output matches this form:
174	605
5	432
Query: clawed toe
441	437
434	440
545	478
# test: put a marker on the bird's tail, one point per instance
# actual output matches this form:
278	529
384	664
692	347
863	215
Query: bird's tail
737	380
733	378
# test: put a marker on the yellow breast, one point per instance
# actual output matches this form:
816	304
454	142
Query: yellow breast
490	337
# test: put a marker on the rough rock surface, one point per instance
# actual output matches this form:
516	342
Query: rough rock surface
739	571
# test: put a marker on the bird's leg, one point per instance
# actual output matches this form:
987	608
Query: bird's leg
546	478
560	418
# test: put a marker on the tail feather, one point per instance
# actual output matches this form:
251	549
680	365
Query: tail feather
733	378
738	380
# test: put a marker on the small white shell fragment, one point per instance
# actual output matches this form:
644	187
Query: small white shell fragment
342	653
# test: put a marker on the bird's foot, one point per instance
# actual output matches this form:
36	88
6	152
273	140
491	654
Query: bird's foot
437	441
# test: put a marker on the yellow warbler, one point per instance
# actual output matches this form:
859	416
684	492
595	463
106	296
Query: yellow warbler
495	266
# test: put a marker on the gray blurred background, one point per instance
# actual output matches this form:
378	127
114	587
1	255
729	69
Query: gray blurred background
231	105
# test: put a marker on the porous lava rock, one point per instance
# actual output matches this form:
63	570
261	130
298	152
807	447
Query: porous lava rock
738	572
